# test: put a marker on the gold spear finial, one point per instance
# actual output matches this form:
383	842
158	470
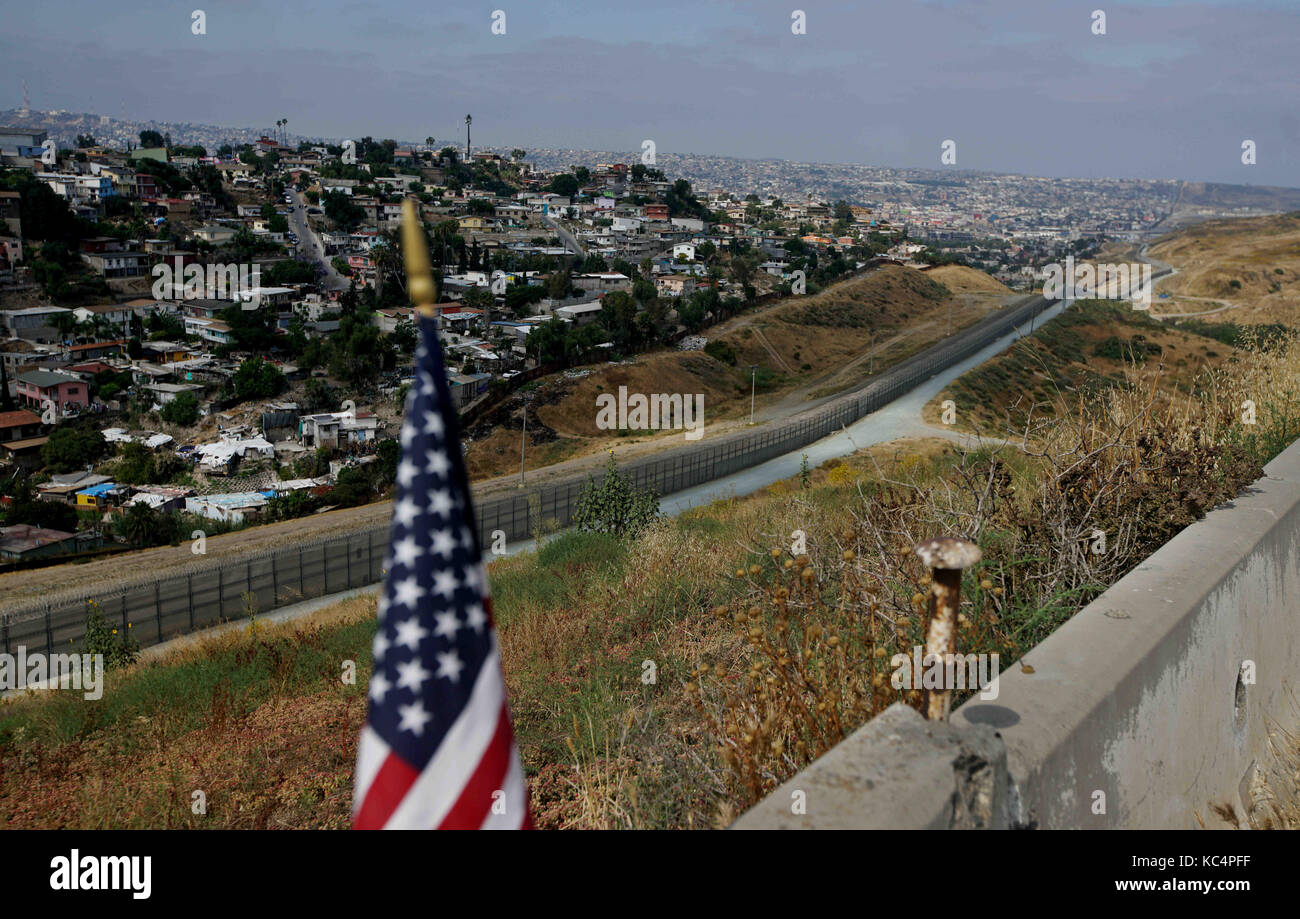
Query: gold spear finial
419	274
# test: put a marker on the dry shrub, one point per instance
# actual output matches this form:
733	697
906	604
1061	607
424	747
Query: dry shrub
817	632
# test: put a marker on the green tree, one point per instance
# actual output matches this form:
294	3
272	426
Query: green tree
70	448
182	410
564	184
137	525
25	507
617	315
258	379
614	505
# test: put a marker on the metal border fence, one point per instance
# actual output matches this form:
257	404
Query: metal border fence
210	591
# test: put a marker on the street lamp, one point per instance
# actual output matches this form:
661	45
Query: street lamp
753	375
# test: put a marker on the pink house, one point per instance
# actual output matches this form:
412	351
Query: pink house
69	394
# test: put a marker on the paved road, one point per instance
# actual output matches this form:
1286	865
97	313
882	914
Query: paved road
310	245
568	239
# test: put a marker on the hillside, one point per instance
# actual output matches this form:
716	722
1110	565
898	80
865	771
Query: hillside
1244	270
1092	348
804	349
963	280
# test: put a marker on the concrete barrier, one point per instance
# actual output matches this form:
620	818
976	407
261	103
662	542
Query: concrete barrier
1149	705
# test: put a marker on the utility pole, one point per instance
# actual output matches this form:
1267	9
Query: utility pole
872	367
753	375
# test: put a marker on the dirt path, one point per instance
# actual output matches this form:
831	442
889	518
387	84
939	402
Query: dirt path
1227	305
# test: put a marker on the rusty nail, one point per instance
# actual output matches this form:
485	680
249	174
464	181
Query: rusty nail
946	557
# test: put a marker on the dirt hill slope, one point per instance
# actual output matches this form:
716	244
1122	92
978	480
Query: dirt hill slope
1243	270
804	348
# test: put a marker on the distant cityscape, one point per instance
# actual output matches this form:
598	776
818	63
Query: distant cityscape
942	204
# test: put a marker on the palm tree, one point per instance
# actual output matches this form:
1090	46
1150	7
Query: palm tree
138	525
65	323
388	260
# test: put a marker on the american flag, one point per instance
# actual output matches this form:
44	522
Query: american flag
437	751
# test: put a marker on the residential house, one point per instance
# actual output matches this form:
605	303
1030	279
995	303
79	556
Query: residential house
231	508
92	350
675	285
124	264
21	438
67	393
22	542
213	330
34	323
19	425
101	497
117	314
64	486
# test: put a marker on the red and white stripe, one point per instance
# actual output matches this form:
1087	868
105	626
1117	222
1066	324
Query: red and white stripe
458	788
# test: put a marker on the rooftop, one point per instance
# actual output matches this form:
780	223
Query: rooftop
46	378
14	419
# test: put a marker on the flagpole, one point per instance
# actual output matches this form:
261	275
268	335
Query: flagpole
419	274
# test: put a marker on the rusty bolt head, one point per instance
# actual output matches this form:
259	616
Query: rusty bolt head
949	553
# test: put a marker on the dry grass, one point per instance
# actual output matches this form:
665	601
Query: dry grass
257	720
1260	254
670	680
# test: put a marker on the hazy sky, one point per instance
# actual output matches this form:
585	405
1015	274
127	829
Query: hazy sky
1170	91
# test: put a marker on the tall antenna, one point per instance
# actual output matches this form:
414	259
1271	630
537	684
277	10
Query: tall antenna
27	99
468	119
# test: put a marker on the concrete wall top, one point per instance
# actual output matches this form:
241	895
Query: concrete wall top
1149	704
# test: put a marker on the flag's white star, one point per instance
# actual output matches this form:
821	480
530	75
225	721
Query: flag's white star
381	646
407	593
476	618
410	633
440	503
433	423
438	463
405	552
379	686
405	512
406	473
447	625
412	674
408	434
444	583
443	542
449	665
414	718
